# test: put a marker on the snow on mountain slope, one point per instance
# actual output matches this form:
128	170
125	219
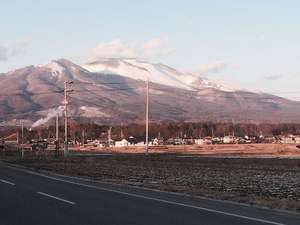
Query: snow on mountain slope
55	68
140	70
157	73
59	68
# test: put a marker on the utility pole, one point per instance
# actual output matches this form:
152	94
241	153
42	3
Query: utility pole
121	133
147	117
83	137
56	136
66	91
109	136
56	128
18	141
233	128
22	137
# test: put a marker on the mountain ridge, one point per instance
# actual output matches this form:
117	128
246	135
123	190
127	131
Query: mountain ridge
109	97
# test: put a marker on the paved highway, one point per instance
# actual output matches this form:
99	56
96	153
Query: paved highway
31	198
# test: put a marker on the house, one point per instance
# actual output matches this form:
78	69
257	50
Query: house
170	141
122	143
216	140
179	141
228	139
291	139
132	140
157	141
297	139
203	141
269	140
287	140
241	140
248	140
92	143
199	141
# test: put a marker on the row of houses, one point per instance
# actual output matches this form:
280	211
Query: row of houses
113	143
289	139
230	139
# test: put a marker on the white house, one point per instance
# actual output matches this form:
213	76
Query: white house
122	143
228	139
199	141
291	139
297	139
157	141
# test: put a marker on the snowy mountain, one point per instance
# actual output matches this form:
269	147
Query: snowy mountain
113	92
156	73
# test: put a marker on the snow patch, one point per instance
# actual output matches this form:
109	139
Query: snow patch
93	112
156	92
56	69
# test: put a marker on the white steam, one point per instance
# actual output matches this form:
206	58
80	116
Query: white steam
52	113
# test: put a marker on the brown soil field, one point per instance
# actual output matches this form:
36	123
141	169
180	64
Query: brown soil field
239	150
272	182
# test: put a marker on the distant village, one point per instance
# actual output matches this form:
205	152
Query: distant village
230	139
159	141
92	136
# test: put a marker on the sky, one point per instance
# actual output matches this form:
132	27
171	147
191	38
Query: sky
253	45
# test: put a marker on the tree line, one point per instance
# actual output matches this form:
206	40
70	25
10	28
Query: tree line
84	131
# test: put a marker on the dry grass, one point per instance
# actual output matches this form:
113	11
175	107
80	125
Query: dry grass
241	150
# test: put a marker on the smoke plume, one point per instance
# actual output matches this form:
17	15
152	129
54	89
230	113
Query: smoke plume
52	113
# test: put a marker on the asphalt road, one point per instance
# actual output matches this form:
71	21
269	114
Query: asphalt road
31	198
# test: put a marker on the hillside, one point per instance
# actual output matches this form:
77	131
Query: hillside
114	96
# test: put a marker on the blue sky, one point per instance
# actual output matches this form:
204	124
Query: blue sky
249	44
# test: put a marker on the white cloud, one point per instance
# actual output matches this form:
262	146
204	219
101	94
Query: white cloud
117	48
3	53
20	47
17	48
211	68
274	77
157	47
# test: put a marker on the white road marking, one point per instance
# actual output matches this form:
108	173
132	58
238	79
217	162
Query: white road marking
57	198
151	198
7	182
